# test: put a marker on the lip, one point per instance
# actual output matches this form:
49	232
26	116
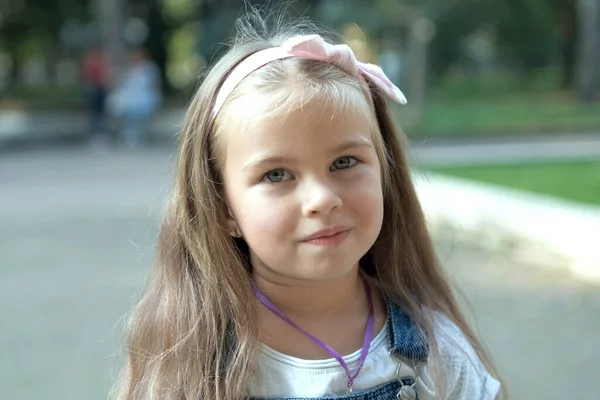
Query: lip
325	234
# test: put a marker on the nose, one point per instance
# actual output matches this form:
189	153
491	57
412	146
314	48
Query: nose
320	197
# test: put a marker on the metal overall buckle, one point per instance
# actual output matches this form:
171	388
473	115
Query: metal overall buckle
407	391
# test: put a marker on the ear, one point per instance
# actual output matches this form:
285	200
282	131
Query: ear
232	226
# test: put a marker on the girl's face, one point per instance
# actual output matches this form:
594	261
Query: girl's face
305	191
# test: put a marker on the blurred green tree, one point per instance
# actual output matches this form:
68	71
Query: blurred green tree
159	29
33	27
528	34
565	16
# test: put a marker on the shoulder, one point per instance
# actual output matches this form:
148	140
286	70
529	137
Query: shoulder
466	376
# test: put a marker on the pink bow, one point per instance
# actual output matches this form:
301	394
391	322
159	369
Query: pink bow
315	48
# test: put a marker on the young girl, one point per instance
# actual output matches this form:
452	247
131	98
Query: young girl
294	260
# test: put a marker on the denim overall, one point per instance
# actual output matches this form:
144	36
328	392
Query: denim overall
406	341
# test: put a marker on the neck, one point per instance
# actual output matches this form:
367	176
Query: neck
309	299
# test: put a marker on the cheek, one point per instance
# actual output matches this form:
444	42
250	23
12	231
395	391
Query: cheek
365	197
267	227
261	217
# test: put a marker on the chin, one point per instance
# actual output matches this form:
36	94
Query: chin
330	269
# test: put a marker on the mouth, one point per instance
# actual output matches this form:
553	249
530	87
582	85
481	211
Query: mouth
327	237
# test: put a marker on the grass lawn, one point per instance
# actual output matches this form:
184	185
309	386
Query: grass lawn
491	117
578	181
498	103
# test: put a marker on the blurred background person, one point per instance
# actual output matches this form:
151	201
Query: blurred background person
136	97
95	78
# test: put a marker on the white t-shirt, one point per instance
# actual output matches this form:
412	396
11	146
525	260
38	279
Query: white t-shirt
280	375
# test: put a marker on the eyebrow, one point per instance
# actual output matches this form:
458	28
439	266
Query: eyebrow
272	159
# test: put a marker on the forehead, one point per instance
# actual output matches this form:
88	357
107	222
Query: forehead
319	123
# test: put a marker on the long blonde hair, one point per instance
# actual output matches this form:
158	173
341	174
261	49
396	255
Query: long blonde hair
194	333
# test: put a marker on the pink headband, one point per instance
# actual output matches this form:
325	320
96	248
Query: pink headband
312	47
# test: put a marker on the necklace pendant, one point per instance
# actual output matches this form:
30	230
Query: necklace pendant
407	393
350	389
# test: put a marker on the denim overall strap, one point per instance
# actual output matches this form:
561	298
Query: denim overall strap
407	339
408	345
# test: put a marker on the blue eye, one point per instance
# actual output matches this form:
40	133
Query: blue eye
276	176
344	163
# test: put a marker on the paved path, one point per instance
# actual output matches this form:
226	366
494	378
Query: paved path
76	235
508	150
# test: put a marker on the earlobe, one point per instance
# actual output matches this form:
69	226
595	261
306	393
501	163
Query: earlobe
232	226
234	230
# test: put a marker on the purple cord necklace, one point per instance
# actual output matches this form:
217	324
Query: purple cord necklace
366	343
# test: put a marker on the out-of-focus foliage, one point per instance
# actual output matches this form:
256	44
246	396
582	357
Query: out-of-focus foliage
520	36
